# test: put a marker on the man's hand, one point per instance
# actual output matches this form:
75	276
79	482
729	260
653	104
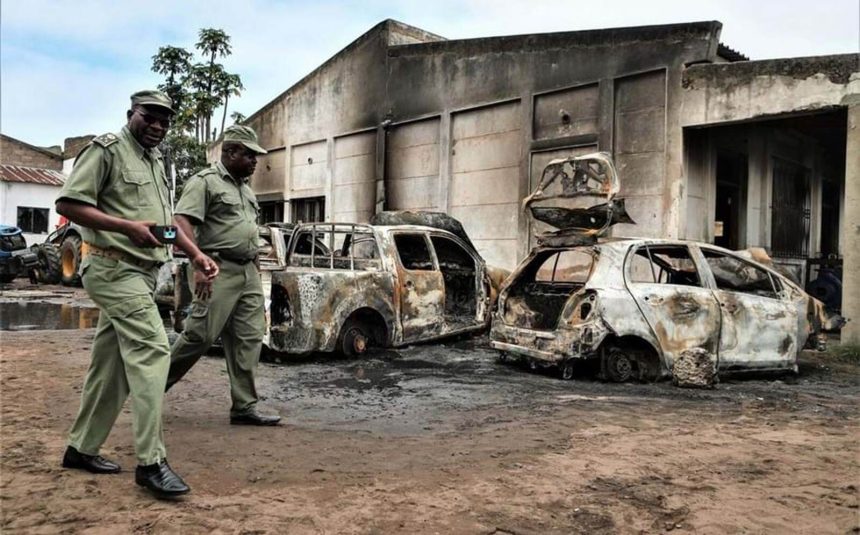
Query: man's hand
139	234
202	285
205	265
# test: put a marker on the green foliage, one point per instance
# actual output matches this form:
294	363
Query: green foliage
197	89
847	353
187	155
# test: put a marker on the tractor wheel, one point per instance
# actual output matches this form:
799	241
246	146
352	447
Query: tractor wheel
49	270
70	256
355	338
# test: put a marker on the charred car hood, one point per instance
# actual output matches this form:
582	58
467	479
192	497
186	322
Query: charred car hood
576	196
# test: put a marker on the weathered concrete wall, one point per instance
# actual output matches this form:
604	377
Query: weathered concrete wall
353	189
14	152
613	90
731	92
342	96
412	166
851	226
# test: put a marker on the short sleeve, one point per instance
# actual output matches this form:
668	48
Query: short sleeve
192	203
88	176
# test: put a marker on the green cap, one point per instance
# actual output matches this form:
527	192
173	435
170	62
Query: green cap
152	97
244	135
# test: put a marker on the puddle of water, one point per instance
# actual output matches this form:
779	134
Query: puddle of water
29	316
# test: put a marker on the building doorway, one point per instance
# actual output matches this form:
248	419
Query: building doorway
731	174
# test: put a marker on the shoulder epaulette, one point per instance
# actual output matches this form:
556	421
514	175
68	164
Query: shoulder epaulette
106	140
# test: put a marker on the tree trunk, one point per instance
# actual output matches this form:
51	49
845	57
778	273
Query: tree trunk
224	115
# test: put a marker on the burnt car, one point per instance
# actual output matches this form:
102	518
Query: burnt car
347	287
634	307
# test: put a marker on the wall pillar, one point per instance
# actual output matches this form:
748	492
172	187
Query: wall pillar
850	231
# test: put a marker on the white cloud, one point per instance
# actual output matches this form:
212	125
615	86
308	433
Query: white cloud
67	68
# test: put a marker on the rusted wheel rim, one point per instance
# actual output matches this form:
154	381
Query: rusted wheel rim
359	341
622	367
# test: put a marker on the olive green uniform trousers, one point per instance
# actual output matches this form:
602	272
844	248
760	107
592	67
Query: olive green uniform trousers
235	311
130	355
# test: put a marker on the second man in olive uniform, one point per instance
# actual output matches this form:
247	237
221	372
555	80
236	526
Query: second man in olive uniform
220	207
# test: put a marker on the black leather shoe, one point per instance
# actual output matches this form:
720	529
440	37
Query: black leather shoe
91	463
252	417
161	480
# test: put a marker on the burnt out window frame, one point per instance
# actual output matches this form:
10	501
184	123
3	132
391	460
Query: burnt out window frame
633	253
427	243
332	229
775	282
472	254
557	255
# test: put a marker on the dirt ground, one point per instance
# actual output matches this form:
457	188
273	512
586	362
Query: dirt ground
439	439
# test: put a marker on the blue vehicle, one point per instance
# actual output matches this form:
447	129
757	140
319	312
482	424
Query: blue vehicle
15	258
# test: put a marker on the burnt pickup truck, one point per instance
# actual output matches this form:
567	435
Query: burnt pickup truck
347	287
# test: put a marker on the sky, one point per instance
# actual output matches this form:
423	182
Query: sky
68	67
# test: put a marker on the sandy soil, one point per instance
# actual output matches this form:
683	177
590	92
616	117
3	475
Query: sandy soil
442	439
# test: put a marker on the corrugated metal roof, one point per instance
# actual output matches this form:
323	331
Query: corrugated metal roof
31	175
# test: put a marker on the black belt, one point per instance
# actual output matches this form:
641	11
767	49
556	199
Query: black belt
236	260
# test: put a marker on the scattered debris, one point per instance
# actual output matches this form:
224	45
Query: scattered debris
695	368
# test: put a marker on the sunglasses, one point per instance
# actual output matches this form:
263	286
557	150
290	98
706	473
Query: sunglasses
148	118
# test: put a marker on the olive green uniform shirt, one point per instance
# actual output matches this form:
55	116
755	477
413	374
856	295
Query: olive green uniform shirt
225	212
118	176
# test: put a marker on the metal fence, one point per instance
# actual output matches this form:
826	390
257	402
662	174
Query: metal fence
790	210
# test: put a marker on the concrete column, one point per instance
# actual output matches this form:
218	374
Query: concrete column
850	232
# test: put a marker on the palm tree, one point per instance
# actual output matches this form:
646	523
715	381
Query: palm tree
237	117
225	85
213	42
175	63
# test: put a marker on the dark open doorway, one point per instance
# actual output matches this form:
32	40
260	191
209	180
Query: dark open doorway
731	173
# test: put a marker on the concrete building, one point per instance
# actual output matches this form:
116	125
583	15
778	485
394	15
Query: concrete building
709	146
30	180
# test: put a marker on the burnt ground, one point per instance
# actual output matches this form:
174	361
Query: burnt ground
437	439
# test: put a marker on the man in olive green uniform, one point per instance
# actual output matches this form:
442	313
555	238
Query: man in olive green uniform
220	207
116	192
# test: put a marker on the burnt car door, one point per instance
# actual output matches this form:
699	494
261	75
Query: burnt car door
670	292
466	287
420	286
759	325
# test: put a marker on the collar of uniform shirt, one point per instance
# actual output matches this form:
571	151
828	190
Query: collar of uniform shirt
139	150
225	173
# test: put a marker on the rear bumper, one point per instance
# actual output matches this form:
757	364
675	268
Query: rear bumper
553	346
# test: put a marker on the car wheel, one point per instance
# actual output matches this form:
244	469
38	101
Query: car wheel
619	365
70	256
355	338
566	370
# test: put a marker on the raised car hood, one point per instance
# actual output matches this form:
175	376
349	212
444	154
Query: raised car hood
576	196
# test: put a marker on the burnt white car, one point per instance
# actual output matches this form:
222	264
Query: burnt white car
635	306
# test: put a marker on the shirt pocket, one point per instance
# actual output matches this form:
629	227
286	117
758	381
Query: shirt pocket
136	184
230	199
